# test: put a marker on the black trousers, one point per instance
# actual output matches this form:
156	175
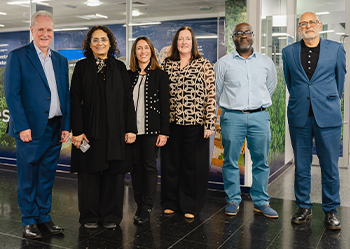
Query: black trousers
145	174
185	169
100	197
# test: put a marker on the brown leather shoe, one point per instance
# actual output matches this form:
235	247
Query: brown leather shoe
168	211
189	216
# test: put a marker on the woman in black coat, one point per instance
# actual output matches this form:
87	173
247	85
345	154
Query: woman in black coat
102	114
151	100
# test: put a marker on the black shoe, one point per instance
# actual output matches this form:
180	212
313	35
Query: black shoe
331	221
144	216
49	226
32	232
302	215
137	214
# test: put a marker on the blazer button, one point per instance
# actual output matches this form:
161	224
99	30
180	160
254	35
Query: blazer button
310	84
46	112
308	97
48	98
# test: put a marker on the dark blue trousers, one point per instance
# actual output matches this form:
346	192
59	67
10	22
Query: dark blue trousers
36	169
327	145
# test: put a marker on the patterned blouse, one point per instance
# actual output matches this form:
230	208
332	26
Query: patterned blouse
192	93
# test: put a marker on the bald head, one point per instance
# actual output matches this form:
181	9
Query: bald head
243	39
308	16
242	25
309	28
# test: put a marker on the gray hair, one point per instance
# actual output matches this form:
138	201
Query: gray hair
40	13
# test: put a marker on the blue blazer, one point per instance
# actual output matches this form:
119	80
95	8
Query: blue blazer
28	94
324	90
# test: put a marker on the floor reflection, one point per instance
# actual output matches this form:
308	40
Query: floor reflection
211	229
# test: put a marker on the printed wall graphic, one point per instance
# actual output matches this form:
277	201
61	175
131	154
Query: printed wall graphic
236	12
68	41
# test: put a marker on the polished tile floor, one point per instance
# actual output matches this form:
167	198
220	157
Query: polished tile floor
211	229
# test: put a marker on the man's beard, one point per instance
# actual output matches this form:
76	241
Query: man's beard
241	48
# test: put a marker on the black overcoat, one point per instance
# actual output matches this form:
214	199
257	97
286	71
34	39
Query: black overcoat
82	96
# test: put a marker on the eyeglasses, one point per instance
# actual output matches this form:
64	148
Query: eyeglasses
241	33
97	40
312	23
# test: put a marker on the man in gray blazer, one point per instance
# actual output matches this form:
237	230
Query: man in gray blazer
314	70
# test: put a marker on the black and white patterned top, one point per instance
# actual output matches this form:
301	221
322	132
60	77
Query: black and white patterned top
192	93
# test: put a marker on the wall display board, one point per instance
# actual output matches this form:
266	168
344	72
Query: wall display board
214	40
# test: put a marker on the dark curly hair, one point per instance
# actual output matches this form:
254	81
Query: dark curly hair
113	50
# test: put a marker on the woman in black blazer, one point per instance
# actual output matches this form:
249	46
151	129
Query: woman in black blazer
151	100
102	114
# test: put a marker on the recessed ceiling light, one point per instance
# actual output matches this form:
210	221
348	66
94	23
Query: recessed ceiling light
93	3
142	24
3	45
102	16
2	25
70	29
27	2
322	13
2	13
92	16
135	13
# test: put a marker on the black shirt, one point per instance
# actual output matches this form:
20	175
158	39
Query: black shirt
309	58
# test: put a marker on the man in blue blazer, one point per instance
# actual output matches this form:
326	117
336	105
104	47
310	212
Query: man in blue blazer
37	95
314	70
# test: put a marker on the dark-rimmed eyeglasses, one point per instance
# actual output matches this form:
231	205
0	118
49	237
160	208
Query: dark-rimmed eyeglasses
241	33
312	23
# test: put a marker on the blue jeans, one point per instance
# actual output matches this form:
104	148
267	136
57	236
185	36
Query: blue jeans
235	127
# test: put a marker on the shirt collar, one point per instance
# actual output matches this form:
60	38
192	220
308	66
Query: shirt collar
39	52
236	54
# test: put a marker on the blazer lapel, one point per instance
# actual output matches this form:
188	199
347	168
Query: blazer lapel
56	69
321	57
296	55
34	58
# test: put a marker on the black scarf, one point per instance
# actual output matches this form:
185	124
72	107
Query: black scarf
114	106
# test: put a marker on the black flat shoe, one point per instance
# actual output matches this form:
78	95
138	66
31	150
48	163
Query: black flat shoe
31	232
137	214
144	216
331	221
302	215
49	226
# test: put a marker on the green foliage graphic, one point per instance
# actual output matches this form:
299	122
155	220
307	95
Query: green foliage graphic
7	143
277	113
236	12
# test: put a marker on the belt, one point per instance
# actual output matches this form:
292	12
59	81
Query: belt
251	111
55	118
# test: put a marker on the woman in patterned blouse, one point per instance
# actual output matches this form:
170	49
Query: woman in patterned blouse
185	157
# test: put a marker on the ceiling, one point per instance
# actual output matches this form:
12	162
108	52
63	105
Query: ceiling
66	12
